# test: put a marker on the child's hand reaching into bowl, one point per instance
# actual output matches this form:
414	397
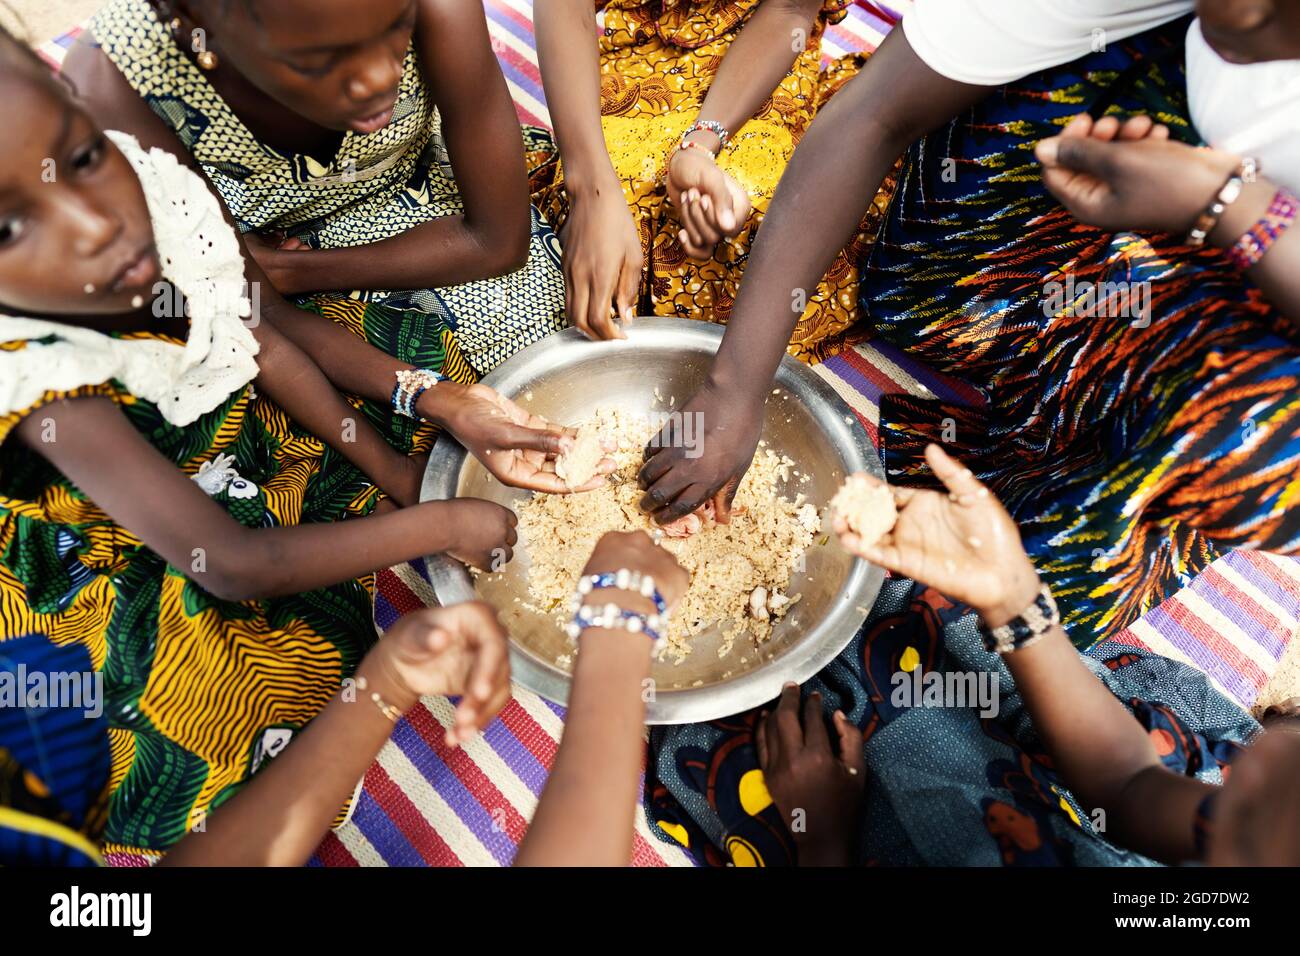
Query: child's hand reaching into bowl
517	447
963	543
635	551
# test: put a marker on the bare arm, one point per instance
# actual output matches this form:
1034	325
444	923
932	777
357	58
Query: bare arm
570	64
1131	176
965	545
756	62
831	180
180	522
295	383
483	140
279	818
283	813
1278	272
585	816
1104	755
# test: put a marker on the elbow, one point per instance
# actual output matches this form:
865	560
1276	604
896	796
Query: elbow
236	585
507	251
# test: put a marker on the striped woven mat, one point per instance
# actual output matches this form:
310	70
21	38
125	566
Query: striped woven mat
422	804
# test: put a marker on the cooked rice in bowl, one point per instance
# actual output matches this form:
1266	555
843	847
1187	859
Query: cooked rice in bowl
739	571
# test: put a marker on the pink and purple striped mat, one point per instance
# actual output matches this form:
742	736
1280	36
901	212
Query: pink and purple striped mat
422	804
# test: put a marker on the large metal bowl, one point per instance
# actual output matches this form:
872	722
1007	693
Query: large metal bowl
565	377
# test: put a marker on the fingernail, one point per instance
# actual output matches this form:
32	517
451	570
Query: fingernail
705	203
1046	150
727	220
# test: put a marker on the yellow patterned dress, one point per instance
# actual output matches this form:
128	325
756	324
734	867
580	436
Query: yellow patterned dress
199	691
375	187
657	61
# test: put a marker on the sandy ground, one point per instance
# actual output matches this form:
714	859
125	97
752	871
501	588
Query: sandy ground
39	20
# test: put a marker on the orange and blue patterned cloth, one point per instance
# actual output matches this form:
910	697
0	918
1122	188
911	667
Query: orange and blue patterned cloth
1140	411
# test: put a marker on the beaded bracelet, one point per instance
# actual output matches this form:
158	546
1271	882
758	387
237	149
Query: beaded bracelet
411	384
1225	197
613	617
714	127
624	580
1026	628
701	147
391	711
1259	238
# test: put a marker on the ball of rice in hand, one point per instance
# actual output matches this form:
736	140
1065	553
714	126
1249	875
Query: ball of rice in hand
579	466
867	508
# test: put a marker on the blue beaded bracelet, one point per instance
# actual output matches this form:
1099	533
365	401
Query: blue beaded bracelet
624	580
614	617
411	384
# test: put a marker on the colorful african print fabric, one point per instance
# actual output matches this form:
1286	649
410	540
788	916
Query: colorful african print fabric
54	755
199	691
1142	411
375	187
657	61
945	785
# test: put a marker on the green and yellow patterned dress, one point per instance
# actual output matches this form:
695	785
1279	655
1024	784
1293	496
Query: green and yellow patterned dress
199	691
376	187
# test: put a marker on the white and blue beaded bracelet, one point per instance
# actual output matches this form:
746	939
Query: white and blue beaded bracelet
411	384
624	580
613	617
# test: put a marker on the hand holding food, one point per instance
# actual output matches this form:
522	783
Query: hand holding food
518	448
963	543
866	507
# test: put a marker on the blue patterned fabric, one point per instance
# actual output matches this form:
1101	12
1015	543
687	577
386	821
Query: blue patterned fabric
54	760
945	786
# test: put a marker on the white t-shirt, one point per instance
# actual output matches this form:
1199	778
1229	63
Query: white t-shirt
1249	109
992	42
1252	110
